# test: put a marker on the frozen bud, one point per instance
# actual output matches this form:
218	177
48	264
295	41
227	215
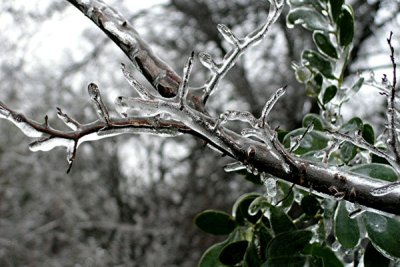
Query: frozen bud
208	61
228	34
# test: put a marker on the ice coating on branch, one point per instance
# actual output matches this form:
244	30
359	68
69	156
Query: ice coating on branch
131	130
71	123
234	166
271	103
270	185
207	61
126	38
98	104
140	89
384	190
232	115
133	106
228	34
49	143
183	88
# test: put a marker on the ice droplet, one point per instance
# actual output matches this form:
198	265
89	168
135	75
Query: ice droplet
336	245
384	190
377	223
234	166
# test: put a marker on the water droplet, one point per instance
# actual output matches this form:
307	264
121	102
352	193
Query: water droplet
336	246
270	185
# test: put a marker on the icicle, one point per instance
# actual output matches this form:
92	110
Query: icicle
71	152
232	115
71	123
270	104
183	88
208	62
20	121
384	190
270	185
234	166
228	35
98	104
49	143
140	89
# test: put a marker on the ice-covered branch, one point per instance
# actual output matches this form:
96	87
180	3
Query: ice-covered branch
239	46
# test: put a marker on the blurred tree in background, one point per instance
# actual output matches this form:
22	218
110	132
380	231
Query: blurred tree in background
130	201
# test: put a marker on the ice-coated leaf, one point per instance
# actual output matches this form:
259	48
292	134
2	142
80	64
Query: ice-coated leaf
233	253
280	221
210	258
314	119
368	133
292	261
329	94
376	170
352	126
228	34
215	222
312	141
288	243
335	7
308	18
346	26
240	209
328	257
324	44
303	74
373	257
384	233
347	151
317	62
346	229
252	257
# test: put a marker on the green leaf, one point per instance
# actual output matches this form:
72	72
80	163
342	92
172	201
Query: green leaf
264	237
288	243
346	26
261	203
252	257
215	222
317	62
310	205
335	6
346	229
240	209
302	74
210	258
368	133
233	253
347	151
353	125
308	18
373	258
313	141
384	233
326	254
280	221
377	171
324	44
329	94
286	192
315	119
288	261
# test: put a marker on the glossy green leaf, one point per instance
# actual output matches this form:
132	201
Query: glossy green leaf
353	125
210	258
252	257
347	151
308	18
233	253
346	229
329	94
288	243
261	203
310	205
215	222
313	141
286	193
292	261
265	237
335	7
377	171
373	258
324	44
317	62
280	221
384	233
346	26
368	133
240	209
328	257
315	119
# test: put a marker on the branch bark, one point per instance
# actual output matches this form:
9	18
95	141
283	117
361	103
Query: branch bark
272	159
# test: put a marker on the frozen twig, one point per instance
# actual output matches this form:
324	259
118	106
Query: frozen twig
391	112
239	46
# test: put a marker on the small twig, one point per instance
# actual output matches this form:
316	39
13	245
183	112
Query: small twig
286	196
393	136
